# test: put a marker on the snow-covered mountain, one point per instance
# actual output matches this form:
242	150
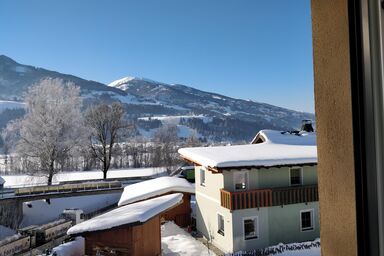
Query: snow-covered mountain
210	115
229	117
15	78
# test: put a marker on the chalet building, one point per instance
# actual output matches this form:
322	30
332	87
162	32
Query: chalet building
306	136
132	229
180	214
257	195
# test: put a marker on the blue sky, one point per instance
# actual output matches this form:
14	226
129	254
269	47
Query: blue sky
249	49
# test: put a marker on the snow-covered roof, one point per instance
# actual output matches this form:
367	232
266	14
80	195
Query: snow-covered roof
129	214
279	137
251	155
154	187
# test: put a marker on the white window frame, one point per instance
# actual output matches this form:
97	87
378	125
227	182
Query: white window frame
301	176
246	172
312	211
256	218
202	177
221	232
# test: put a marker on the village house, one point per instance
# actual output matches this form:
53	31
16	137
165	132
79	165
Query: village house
132	229
253	196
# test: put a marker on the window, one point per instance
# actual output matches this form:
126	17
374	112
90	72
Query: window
306	220
240	179
296	176
202	177
220	224
250	228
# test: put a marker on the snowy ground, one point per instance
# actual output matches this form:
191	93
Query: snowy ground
41	212
176	119
311	248
175	241
183	130
26	180
74	248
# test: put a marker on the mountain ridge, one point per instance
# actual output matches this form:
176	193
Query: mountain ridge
230	119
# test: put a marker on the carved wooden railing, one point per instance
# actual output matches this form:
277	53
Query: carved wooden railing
268	197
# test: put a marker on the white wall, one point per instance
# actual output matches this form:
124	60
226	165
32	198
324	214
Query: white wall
208	206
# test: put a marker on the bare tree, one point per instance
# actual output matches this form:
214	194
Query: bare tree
52	126
167	134
106	124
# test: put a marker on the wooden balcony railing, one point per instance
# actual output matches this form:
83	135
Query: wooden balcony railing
268	197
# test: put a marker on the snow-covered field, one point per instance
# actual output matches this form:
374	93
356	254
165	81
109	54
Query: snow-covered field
176	119
175	241
183	130
40	212
10	105
26	180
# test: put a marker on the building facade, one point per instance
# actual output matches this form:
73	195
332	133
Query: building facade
256	208
258	195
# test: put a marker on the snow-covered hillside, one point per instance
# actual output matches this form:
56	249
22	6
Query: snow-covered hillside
204	112
143	97
5	104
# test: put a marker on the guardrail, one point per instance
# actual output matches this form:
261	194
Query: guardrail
67	188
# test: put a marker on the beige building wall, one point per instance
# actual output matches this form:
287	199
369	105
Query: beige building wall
284	223
208	207
276	225
238	216
334	127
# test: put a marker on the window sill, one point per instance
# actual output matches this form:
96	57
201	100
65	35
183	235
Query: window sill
307	229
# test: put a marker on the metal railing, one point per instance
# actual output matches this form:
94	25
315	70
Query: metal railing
87	186
268	197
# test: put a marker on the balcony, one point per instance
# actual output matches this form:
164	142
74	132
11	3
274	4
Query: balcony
268	197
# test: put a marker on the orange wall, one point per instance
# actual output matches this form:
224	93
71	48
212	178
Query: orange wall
138	240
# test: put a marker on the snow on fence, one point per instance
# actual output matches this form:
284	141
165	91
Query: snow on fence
299	249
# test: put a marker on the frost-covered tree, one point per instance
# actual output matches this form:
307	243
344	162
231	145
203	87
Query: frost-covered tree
52	126
106	125
192	140
165	150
